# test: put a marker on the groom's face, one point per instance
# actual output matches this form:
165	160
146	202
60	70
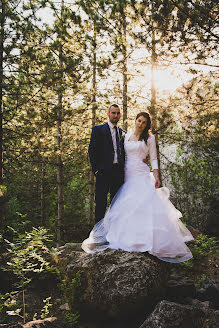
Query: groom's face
114	114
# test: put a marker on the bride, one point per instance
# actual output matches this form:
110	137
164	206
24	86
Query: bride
141	217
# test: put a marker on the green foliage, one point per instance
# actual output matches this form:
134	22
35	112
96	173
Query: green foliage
187	265
3	190
27	252
194	173
9	306
45	310
28	257
202	278
69	289
18	223
76	200
71	319
203	245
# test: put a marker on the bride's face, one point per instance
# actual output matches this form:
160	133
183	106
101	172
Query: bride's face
140	123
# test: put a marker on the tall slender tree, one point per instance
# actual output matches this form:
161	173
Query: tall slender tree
93	119
60	90
2	37
123	5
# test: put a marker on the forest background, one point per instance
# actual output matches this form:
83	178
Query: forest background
62	63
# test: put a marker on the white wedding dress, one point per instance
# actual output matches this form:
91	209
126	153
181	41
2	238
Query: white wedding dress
140	217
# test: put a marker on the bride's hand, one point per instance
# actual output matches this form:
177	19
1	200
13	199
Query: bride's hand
157	183
156	176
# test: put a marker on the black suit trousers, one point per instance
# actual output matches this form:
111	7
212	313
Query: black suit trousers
107	182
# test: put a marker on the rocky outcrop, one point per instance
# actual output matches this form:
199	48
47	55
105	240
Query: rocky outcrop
173	315
180	288
115	283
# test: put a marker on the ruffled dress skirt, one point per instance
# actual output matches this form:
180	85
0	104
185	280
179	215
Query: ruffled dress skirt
142	219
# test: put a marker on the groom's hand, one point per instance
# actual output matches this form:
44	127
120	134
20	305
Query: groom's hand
98	172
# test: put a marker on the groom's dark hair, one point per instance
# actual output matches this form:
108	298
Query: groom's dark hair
113	105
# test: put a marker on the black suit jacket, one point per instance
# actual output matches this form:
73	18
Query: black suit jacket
101	151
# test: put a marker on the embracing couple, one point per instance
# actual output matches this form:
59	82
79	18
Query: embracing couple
140	217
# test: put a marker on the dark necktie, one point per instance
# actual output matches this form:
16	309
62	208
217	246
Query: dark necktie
118	145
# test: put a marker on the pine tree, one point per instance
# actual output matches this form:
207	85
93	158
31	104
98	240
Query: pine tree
17	23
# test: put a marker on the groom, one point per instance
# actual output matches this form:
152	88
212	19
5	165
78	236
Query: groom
107	157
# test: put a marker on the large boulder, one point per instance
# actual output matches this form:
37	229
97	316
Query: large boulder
173	315
114	283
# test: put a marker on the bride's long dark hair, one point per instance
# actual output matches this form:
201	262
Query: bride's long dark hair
147	130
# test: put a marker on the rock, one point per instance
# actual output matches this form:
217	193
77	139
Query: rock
203	305
210	291
115	283
194	232
68	248
172	315
64	307
179	288
212	320
58	301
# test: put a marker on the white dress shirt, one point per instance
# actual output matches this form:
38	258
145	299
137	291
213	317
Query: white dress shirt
113	133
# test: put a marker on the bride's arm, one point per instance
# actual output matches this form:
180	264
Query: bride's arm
157	179
153	159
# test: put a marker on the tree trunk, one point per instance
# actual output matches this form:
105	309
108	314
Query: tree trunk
60	184
93	121
42	195
2	32
153	110
124	72
153	88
